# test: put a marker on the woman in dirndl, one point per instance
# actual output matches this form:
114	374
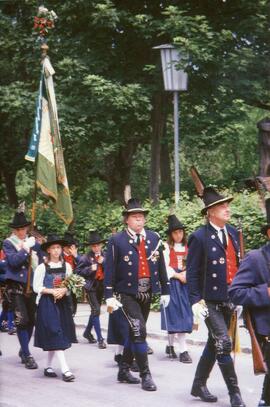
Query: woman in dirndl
55	329
177	318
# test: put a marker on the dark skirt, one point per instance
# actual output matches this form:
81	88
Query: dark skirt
55	329
118	328
178	314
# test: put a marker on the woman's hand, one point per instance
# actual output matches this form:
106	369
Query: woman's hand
182	277
59	293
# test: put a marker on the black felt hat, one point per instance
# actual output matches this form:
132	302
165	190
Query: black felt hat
94	238
267	226
52	238
70	239
211	198
19	221
134	206
174	224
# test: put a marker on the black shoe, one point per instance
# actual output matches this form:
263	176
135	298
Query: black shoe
118	358
170	351
89	337
0	353
149	350
30	362
134	366
185	358
48	372
102	344
236	400
68	377
147	383
263	403
200	389
21	355
124	375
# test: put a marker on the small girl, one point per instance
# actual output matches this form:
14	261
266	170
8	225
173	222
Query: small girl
55	329
177	318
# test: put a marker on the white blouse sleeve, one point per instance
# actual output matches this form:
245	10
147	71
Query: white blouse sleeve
169	269
68	269
39	275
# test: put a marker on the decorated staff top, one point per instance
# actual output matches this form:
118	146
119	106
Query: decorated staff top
44	21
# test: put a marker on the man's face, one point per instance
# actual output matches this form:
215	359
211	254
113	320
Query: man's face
268	233
136	222
21	232
220	214
96	248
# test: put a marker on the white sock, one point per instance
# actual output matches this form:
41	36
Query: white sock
50	356
62	360
182	342
119	349
171	339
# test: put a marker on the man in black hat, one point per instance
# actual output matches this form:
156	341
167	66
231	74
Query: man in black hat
19	250
134	270
90	267
251	288
212	262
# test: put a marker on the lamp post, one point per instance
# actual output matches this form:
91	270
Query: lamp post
175	80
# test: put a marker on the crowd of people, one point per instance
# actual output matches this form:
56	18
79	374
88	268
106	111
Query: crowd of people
198	278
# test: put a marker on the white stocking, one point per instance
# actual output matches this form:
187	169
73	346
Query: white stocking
182	342
62	360
119	349
171	339
50	355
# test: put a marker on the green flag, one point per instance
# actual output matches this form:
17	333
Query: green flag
50	167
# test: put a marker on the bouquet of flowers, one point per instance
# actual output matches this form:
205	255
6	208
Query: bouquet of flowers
44	21
74	283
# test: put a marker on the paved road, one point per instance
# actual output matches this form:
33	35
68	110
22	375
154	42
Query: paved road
96	384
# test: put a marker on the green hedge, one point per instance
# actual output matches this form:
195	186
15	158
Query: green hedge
105	216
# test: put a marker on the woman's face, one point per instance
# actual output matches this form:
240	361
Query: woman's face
177	235
55	250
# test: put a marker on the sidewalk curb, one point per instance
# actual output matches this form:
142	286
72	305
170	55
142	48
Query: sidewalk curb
163	337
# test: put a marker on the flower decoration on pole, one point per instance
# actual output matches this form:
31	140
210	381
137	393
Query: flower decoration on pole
44	21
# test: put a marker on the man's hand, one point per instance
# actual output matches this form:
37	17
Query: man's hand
112	304
200	310
28	243
100	260
164	300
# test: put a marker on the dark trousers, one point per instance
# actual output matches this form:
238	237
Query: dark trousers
265	346
219	344
24	307
94	297
137	312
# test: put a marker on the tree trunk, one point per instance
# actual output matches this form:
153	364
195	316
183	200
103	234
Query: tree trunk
118	174
158	126
264	146
9	181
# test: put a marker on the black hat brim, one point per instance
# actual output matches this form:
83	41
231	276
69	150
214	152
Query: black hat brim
135	210
23	225
44	246
220	201
265	228
90	243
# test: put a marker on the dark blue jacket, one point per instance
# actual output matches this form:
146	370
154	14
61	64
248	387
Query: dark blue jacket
17	261
250	287
84	268
207	254
122	265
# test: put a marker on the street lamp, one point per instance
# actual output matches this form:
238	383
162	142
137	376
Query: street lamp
175	80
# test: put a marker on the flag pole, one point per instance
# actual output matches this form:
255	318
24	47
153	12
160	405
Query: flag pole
44	50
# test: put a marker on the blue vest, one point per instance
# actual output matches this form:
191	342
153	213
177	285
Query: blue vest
122	265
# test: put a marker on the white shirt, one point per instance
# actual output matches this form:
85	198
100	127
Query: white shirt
178	247
39	275
134	234
219	233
